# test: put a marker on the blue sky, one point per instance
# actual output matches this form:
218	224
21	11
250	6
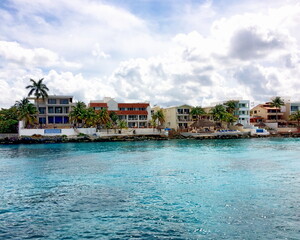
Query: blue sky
166	52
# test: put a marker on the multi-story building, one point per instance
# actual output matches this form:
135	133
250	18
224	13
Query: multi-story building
136	115
54	109
289	108
178	117
266	113
241	112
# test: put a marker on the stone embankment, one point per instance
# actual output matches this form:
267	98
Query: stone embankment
86	138
64	139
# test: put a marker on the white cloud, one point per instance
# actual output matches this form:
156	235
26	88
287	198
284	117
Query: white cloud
92	50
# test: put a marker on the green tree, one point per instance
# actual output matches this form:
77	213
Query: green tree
153	123
197	111
231	106
89	117
218	113
103	117
277	102
159	116
38	89
229	118
108	125
296	117
26	111
9	120
122	124
77	113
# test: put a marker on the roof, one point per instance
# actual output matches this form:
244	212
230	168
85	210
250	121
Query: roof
133	105
94	104
130	112
203	123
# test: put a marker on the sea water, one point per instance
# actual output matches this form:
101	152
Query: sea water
177	189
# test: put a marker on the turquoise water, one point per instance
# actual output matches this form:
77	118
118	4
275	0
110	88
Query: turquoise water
178	189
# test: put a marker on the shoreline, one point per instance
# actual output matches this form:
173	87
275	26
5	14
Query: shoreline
63	139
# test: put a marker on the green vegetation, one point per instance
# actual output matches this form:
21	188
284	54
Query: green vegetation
231	106
197	111
159	116
224	113
296	117
122	124
9	120
277	102
26	111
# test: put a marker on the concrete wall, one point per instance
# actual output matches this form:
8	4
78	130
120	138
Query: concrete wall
8	135
64	131
272	125
130	131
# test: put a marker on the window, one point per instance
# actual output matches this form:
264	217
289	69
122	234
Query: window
50	109
58	120
50	119
131	124
143	124
66	119
64	101
122	109
143	117
66	109
42	110
294	108
51	101
58	110
142	109
130	109
122	117
132	117
42	120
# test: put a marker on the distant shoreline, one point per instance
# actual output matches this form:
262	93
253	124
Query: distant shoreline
64	139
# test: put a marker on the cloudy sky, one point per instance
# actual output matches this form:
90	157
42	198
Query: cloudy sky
166	52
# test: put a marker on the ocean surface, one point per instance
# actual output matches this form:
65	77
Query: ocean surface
177	189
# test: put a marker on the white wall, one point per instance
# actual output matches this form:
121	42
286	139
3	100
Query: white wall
64	131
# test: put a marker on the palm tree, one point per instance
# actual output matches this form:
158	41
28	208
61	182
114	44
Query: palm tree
229	118
159	115
77	113
231	106
296	117
89	117
103	117
218	113
197	111
122	124
153	123
108	125
38	89
277	102
26	111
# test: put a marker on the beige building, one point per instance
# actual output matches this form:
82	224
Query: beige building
54	110
178	117
289	108
266	113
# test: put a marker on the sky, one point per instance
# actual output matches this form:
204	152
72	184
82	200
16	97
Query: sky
167	52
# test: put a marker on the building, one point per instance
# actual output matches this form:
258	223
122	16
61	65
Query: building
136	115
266	113
241	112
178	117
289	108
54	110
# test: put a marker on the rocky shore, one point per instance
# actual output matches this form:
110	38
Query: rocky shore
64	139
